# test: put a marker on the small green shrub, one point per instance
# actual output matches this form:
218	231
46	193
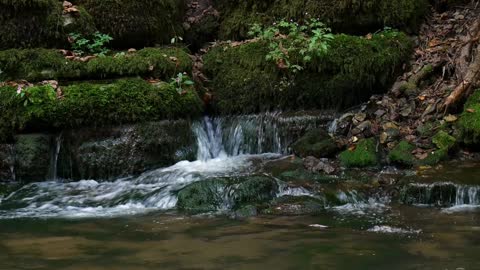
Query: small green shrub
180	82
290	38
95	45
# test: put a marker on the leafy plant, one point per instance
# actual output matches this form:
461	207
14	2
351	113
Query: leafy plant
292	45
176	39
181	81
94	45
36	95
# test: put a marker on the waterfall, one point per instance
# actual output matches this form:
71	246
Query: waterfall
54	157
252	134
444	194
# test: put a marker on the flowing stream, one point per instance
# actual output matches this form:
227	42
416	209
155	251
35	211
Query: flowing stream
130	223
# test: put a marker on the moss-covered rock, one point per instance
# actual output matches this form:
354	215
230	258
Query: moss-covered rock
226	193
112	152
443	140
434	157
348	16
32	157
469	123
39	23
364	154
402	154
137	23
354	68
87	104
317	143
44	64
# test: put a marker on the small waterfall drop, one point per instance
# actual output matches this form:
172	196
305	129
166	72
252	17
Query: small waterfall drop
252	134
54	160
442	194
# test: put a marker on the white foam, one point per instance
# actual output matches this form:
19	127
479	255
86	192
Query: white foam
393	230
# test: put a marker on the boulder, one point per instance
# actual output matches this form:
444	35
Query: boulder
317	143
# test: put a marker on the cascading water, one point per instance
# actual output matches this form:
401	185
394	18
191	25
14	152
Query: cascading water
228	146
444	194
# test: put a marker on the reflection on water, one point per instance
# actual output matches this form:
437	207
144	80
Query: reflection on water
418	238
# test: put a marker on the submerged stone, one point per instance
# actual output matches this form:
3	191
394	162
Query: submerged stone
226	193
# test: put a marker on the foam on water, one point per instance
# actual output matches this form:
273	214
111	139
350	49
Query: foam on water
393	230
155	190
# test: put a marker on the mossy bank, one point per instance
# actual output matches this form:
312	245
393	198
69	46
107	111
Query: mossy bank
353	69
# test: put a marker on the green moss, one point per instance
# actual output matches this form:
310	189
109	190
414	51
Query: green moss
38	23
402	154
443	140
87	104
348	16
469	123
226	193
434	157
137	23
44	64
364	155
315	143
353	69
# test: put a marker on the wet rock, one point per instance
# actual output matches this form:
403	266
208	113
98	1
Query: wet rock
7	162
106	153
319	165
437	194
295	205
317	143
226	193
32	157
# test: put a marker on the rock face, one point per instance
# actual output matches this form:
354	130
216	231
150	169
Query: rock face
108	153
32	157
226	194
7	162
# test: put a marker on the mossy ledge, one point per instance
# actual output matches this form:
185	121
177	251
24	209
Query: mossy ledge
352	70
347	16
137	23
39	23
87	104
45	64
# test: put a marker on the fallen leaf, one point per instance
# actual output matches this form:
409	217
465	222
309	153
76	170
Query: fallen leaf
470	110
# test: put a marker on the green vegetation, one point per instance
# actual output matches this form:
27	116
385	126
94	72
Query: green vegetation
86	104
95	45
443	140
287	39
44	64
364	154
315	143
38	23
137	23
354	68
402	154
181	81
349	16
469	123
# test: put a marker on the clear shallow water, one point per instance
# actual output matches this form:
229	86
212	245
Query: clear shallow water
406	238
130	223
